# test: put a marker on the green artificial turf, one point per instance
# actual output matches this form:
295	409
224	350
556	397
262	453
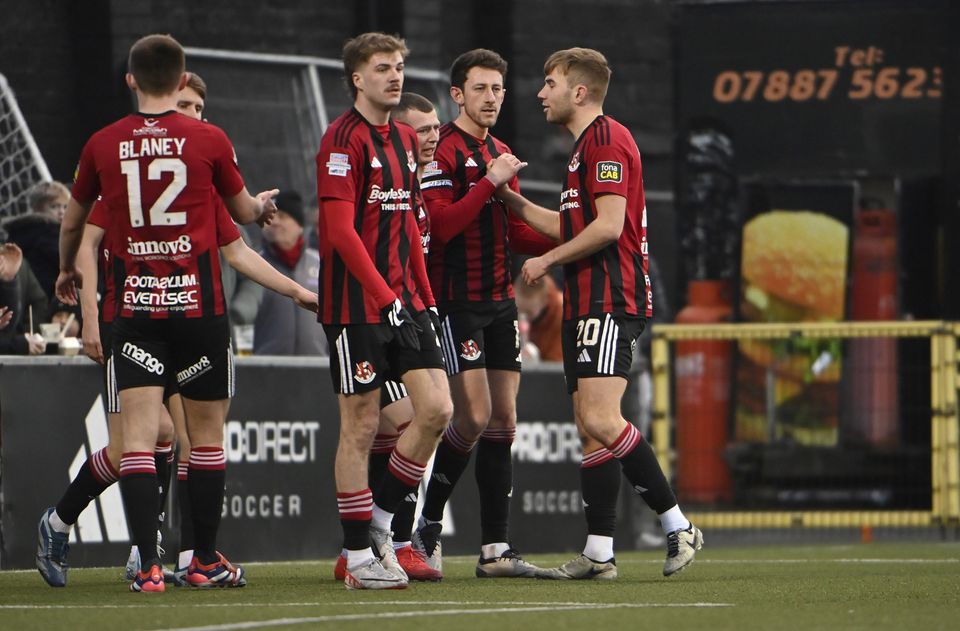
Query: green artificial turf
865	586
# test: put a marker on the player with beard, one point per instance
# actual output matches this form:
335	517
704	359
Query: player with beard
473	237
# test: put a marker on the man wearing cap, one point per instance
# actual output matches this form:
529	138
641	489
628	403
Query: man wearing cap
278	329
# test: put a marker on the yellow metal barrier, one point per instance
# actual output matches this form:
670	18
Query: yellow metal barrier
945	426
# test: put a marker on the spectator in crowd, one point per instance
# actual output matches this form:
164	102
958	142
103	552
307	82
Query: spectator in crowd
281	328
243	296
542	306
20	295
38	233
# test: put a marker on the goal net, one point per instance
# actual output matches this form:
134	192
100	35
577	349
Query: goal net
21	165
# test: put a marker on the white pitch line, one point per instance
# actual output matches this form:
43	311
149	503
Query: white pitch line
283	622
411	603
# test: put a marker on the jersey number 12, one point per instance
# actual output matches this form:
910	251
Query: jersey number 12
160	215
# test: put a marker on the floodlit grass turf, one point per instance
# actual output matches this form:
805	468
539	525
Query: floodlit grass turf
873	586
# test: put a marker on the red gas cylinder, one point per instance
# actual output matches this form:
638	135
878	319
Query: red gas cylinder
872	419
702	373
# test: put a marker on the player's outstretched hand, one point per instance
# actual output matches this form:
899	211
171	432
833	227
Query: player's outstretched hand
268	206
68	284
307	300
533	270
408	331
504	168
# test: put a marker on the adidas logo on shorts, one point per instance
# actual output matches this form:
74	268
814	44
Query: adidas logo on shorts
584	357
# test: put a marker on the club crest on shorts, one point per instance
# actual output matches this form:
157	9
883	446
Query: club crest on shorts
469	350
574	162
364	372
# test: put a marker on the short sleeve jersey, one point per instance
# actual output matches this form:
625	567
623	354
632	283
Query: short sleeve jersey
378	177
227	232
158	176
475	264
605	160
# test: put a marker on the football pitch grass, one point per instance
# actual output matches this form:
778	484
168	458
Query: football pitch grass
864	586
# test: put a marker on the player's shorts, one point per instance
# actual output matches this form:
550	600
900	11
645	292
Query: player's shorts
480	335
193	353
110	377
599	346
392	391
364	356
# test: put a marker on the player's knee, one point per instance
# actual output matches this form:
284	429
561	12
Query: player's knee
437	413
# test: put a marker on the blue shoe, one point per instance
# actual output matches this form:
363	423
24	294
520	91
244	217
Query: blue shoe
52	549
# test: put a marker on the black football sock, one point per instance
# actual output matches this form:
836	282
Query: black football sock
138	487
449	464
642	469
402	525
183	503
600	486
377	468
494	474
401	479
355	512
94	477
206	479
162	460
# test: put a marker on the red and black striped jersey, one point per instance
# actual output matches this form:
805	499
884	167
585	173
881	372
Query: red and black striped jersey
472	264
374	170
605	161
114	276
157	176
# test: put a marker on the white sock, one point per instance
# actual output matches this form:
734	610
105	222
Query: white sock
397	545
381	518
58	524
598	548
184	558
358	558
673	519
493	550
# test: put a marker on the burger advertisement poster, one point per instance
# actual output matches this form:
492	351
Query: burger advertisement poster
794	262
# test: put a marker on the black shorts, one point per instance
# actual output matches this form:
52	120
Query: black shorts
364	356
110	375
392	391
599	346
480	335
194	354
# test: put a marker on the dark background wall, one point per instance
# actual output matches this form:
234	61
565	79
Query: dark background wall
65	61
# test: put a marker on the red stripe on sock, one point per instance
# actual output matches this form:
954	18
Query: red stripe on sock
406	470
137	462
627	441
595	458
356	506
208	458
